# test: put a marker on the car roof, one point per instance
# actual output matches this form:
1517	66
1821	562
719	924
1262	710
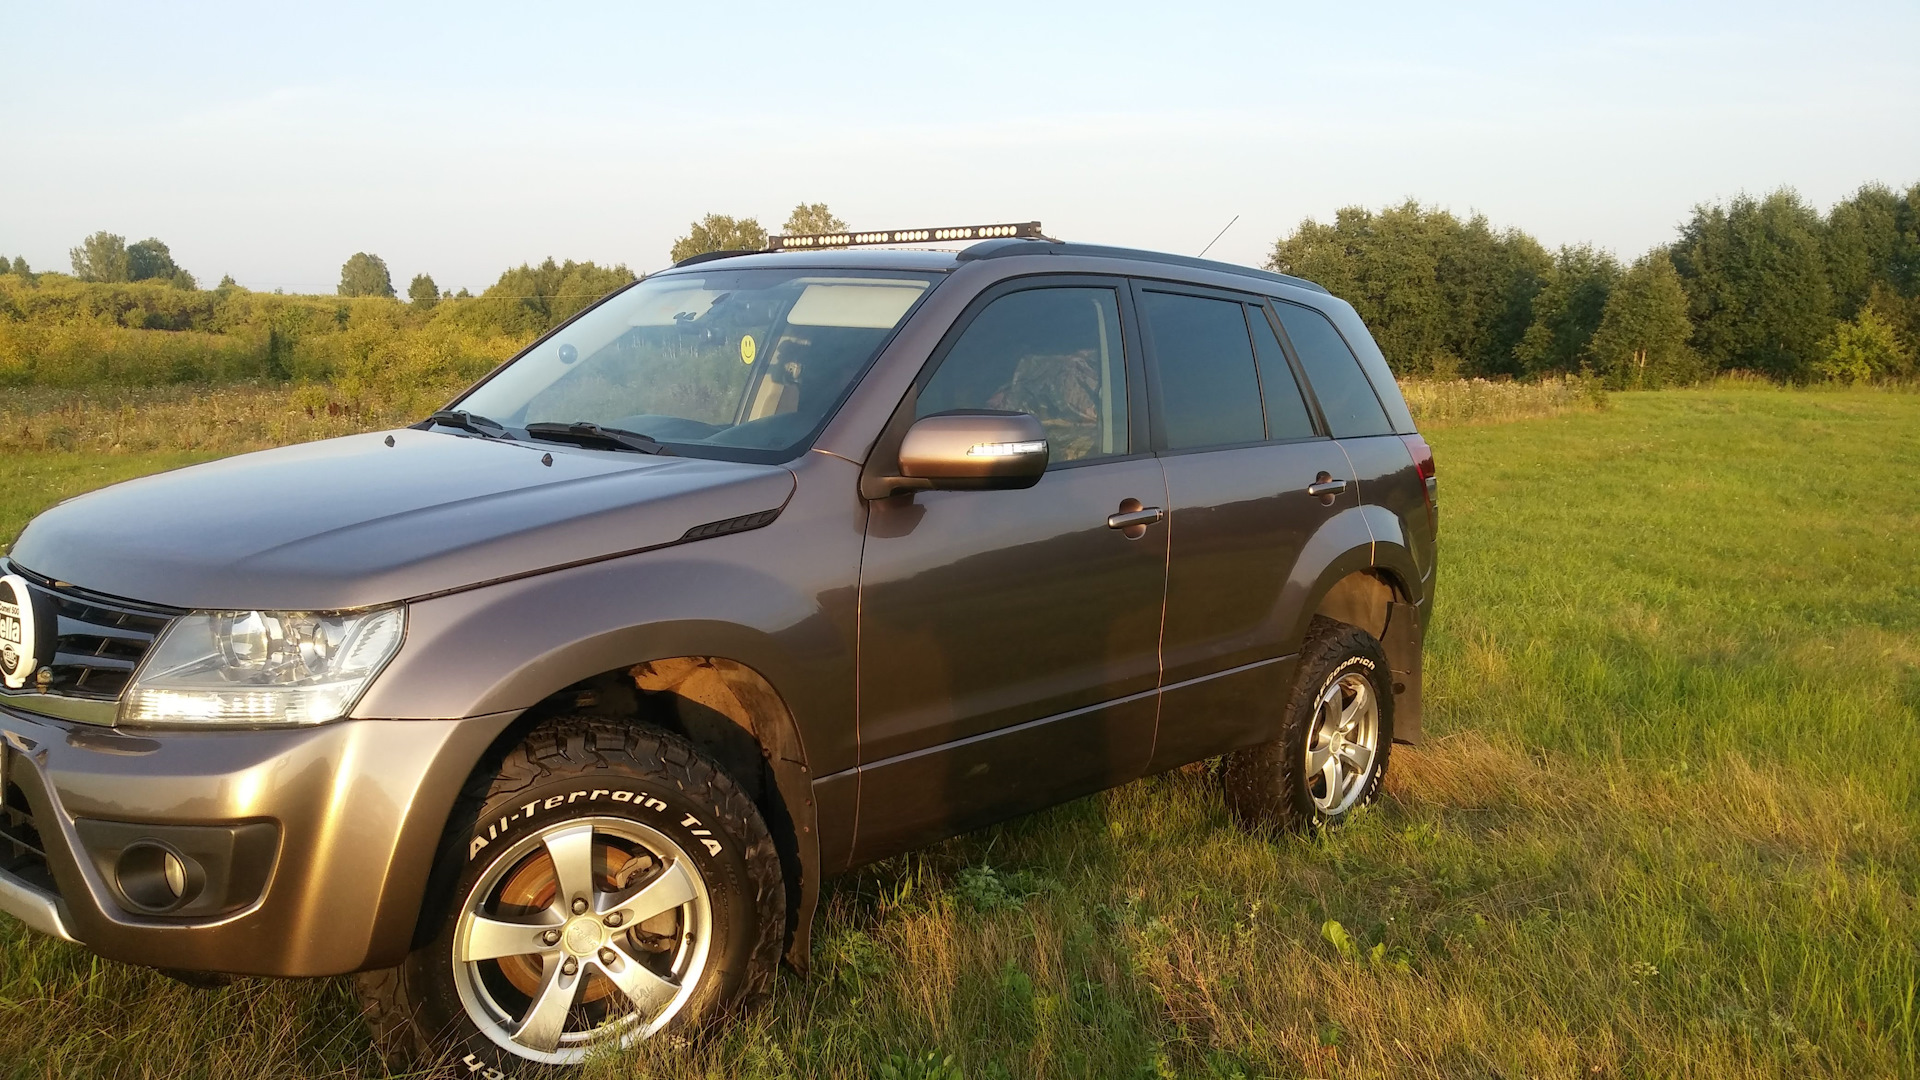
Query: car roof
867	258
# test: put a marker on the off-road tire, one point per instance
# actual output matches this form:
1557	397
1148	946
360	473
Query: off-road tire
414	1009
1267	786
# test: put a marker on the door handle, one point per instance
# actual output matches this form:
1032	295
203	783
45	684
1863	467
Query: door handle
1135	518
1325	487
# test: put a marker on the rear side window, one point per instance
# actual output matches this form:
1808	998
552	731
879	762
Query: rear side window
1209	394
1286	413
1054	353
1345	396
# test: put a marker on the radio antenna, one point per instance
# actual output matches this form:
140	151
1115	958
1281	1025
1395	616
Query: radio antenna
1216	238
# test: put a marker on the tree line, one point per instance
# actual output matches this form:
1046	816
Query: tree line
1766	285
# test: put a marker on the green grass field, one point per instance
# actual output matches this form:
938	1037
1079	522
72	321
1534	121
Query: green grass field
1665	823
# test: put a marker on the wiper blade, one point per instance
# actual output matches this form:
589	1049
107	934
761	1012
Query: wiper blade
583	433
466	421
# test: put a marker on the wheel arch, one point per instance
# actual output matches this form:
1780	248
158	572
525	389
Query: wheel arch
1355	577
734	714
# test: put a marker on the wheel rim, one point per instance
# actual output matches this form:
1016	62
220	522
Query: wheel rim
1342	743
590	932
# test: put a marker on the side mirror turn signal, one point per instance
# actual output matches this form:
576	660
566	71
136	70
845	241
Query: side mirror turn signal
971	451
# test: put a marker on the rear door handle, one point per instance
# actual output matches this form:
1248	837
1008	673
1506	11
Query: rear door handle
1327	487
1132	518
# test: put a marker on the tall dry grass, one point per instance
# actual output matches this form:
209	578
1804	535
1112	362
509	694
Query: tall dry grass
1442	402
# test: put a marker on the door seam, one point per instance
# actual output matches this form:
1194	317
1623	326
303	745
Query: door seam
1160	647
1360	504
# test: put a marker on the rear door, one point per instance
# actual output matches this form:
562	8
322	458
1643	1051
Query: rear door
1009	640
1382	466
1241	450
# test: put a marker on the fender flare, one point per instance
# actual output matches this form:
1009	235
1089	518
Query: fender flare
1366	540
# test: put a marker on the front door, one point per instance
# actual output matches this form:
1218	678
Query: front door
1009	640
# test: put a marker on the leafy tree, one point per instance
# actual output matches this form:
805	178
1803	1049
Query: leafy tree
718	232
423	292
811	218
532	299
1904	274
20	267
1902	313
150	259
365	275
1756	278
1442	296
1641	342
1863	349
1863	242
1567	311
227	283
100	257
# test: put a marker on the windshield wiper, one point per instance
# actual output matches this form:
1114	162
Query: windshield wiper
466	421
583	433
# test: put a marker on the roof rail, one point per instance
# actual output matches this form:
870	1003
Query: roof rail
709	256
1000	249
850	238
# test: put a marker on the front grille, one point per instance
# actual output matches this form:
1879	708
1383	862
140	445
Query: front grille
100	640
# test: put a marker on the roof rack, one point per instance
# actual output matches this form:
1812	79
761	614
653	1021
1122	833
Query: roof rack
969	233
994	242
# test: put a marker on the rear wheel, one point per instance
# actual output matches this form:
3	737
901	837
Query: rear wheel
1334	742
613	883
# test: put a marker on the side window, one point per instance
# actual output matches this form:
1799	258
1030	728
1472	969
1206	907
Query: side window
1055	353
1286	413
1345	396
1209	394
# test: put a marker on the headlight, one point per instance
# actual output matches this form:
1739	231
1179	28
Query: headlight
262	667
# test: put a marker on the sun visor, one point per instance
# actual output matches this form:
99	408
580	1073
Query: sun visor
869	305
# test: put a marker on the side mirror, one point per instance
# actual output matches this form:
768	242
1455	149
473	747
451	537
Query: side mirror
971	451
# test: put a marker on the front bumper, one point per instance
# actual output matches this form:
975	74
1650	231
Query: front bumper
358	808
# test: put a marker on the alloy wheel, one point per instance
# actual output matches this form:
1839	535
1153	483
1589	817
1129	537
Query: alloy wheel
1343	742
594	930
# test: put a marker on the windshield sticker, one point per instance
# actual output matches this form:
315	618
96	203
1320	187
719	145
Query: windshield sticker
747	348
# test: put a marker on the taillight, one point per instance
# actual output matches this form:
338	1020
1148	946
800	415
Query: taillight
1422	455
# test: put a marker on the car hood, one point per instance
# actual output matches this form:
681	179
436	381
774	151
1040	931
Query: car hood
354	522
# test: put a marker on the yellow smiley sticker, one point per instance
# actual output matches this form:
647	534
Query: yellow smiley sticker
746	348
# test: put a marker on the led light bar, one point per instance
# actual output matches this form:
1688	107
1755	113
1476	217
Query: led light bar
903	236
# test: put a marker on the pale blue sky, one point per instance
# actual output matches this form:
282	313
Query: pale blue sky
271	141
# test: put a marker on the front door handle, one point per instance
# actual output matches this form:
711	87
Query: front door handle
1146	516
1132	519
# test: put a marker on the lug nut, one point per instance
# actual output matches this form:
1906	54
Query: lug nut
570	966
614	919
609	957
551	937
579	905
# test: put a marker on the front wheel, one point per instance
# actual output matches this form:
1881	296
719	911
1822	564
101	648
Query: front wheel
613	883
1331	755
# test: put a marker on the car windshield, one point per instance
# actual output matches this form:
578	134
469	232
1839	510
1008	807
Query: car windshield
741	364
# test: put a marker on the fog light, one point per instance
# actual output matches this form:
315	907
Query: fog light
155	878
